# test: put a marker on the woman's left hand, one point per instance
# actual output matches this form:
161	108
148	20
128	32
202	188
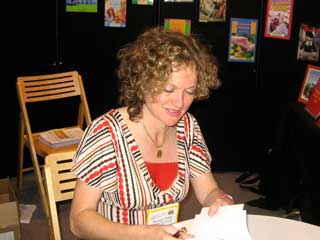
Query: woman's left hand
221	199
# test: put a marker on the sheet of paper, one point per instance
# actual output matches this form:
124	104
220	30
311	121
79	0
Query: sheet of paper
229	223
26	212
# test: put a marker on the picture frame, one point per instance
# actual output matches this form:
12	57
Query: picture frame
178	25
212	11
242	40
311	78
309	43
82	6
278	19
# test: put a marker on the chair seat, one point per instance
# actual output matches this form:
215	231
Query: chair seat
44	150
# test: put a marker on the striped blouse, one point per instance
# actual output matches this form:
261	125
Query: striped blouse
108	158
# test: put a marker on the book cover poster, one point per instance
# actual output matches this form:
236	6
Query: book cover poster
81	6
115	13
311	78
178	25
142	2
313	105
278	19
309	43
178	0
212	10
242	40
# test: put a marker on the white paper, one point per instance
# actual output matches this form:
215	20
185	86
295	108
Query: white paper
229	223
26	212
7	236
61	137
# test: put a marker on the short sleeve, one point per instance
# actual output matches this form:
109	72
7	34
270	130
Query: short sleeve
95	160
199	155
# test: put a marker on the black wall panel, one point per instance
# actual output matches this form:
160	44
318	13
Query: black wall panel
239	120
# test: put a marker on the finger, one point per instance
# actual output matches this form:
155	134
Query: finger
182	233
170	229
214	208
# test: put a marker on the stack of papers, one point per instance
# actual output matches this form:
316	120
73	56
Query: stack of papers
61	137
229	223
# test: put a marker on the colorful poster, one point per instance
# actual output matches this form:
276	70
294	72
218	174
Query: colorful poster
309	43
279	19
313	105
178	0
81	6
142	2
178	25
115	14
212	10
311	78
242	40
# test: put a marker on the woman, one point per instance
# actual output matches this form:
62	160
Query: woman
143	155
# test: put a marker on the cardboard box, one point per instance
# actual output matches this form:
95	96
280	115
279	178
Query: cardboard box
9	212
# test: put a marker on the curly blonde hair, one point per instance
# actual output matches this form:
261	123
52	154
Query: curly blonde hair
146	64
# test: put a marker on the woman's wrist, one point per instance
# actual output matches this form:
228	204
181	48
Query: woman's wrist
223	196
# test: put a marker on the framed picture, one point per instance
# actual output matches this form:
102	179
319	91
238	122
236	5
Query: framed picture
212	10
115	13
242	40
142	2
309	43
311	78
81	6
278	19
178	25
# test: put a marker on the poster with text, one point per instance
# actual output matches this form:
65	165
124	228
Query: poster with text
311	78
142	2
212	10
309	43
81	6
178	25
178	0
278	19
115	13
242	40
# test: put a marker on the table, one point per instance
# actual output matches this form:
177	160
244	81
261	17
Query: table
263	227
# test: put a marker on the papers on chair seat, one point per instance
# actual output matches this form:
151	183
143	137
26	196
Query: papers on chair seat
61	137
229	223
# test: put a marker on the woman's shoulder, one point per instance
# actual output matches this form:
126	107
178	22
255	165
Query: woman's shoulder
112	118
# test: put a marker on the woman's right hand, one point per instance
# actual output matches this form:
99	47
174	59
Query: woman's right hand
165	232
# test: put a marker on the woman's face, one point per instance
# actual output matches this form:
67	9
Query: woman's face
175	98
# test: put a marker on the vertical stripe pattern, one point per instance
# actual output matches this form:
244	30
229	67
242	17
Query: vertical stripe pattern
108	158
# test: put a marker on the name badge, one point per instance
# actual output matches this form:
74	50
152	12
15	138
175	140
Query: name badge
165	215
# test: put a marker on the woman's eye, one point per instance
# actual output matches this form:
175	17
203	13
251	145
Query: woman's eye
191	92
168	90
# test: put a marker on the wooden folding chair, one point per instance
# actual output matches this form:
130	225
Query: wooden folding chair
44	88
60	183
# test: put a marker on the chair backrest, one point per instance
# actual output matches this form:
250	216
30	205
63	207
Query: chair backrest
55	86
60	184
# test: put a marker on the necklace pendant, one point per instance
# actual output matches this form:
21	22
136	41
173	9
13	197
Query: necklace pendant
159	153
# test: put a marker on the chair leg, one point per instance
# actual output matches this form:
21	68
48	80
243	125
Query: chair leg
50	229
39	180
21	154
53	220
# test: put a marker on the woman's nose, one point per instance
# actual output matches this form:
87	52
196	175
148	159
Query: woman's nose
178	100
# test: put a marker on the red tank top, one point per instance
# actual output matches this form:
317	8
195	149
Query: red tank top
163	174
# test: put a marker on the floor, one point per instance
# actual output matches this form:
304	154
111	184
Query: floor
38	229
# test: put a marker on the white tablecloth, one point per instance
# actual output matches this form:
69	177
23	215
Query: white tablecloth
274	228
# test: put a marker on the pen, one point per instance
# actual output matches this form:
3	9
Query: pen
180	232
